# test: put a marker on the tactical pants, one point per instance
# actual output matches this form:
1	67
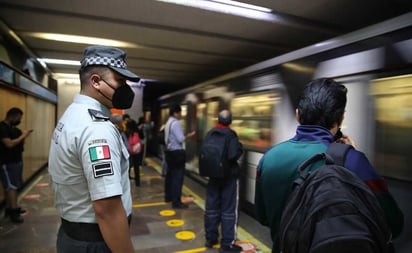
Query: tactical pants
222	204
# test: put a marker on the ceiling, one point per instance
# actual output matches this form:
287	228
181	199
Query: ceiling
179	46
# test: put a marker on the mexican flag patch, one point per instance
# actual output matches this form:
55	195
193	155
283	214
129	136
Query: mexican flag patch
99	153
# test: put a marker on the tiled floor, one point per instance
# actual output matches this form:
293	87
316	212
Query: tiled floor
151	230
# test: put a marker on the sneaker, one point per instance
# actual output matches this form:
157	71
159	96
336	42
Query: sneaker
15	215
210	243
231	248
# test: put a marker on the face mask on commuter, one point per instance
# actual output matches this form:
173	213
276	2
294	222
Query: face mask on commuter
122	96
15	122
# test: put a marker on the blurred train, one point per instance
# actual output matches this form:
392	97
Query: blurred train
374	63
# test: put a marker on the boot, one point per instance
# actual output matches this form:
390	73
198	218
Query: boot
15	215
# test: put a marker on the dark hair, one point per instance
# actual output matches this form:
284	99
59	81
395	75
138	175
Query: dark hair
140	120
174	108
86	72
125	116
131	127
322	103
14	112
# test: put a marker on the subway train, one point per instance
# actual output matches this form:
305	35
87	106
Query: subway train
374	63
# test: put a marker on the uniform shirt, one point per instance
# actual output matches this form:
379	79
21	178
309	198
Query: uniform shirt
87	161
277	171
174	136
14	154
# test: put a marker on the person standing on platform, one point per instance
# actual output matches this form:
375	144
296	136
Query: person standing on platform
320	112
135	148
222	194
11	161
88	162
175	157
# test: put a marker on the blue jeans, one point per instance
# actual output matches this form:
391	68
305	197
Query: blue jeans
222	206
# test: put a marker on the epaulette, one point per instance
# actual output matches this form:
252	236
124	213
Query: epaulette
98	115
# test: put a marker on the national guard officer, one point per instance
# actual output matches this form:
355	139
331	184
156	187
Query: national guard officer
88	162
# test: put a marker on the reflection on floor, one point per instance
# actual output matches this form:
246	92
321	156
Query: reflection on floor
155	226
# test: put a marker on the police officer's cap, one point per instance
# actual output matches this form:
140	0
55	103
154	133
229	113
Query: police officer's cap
111	57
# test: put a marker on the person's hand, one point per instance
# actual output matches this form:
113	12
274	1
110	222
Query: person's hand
27	132
189	135
346	140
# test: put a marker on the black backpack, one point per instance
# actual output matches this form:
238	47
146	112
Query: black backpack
213	160
331	210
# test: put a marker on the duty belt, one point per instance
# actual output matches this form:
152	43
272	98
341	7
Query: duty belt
82	231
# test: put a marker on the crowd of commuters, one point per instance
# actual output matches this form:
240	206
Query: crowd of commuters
92	151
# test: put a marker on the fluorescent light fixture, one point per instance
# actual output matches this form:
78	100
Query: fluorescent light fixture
82	39
60	61
243	5
229	7
65	76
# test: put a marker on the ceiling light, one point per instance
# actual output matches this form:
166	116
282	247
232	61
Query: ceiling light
244	5
60	61
82	40
65	76
229	7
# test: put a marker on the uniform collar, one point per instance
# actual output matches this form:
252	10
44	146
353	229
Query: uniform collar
92	103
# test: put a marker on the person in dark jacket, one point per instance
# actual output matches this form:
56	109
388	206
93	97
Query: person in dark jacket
222	194
320	113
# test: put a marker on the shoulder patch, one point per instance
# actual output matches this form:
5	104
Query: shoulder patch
102	169
99	153
98	115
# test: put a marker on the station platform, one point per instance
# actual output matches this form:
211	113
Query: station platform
155	227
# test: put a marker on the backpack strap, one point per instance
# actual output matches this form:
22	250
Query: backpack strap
335	154
338	152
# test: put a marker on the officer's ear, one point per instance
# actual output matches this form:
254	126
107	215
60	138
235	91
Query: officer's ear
95	80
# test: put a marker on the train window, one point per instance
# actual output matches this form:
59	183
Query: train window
252	119
206	117
211	114
184	116
164	115
393	119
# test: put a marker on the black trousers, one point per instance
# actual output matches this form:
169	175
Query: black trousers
174	177
66	244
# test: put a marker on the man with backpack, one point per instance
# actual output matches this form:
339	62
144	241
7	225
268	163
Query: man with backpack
320	113
218	160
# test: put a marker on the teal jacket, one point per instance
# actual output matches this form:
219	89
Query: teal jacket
277	171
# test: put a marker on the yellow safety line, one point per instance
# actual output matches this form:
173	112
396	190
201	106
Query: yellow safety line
242	234
192	250
149	204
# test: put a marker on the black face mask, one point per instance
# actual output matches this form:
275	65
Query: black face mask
122	96
15	123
